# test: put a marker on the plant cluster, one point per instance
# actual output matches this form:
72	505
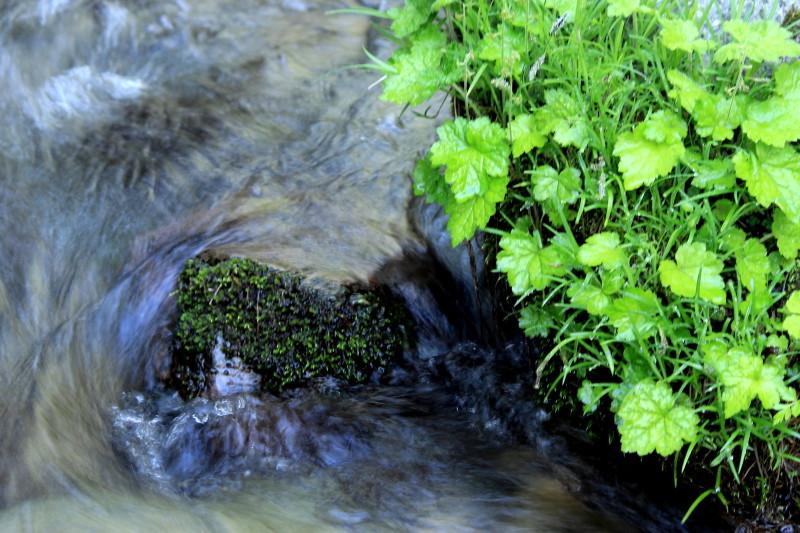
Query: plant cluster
641	172
281	329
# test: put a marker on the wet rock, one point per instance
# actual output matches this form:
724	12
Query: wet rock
244	327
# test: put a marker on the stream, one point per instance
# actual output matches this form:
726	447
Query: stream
138	134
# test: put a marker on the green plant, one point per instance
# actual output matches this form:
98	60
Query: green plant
279	328
647	179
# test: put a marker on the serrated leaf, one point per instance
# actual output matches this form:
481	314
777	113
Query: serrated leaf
791	321
716	116
752	265
774	120
587	396
713	174
642	159
684	35
564	116
602	249
634	315
411	17
589	297
506	47
772	176
745	376
429	182
622	8
732	239
757	301
695	271
474	213
528	265
787	80
527	133
787	233
535	321
761	40
549	184
414	74
474	152
686	91
653	420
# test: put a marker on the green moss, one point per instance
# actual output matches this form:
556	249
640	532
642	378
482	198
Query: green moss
284	331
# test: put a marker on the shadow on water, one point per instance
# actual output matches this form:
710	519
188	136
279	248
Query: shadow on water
140	133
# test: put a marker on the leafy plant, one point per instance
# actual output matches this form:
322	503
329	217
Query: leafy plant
648	178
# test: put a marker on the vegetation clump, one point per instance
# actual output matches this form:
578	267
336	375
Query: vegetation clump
639	167
279	328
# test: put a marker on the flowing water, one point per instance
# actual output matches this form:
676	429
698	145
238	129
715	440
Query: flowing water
139	133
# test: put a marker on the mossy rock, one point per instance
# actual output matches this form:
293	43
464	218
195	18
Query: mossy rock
278	328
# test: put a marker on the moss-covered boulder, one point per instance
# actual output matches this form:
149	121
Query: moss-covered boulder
262	328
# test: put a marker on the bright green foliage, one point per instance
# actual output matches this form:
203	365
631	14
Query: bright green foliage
635	315
622	8
752	265
761	40
506	47
705	171
653	420
787	233
549	184
791	321
527	132
745	376
280	329
415	74
527	264
474	213
590	297
772	176
564	116
774	121
715	174
684	35
411	17
428	182
602	249
535	321
695	272
652	149
475	152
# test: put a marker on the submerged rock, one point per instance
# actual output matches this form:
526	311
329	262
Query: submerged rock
244	327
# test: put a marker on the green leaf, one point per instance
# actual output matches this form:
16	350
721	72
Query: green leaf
535	321
791	322
475	152
429	182
787	233
716	116
787	80
684	35
590	297
602	249
686	91
507	47
752	265
772	176
411	17
414	74
563	7
566	118
694	271
757	301
549	184
474	213
634	315
622	8
745	376
713	174
527	264
732	239
774	121
527	132
651	149
761	40
652	420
